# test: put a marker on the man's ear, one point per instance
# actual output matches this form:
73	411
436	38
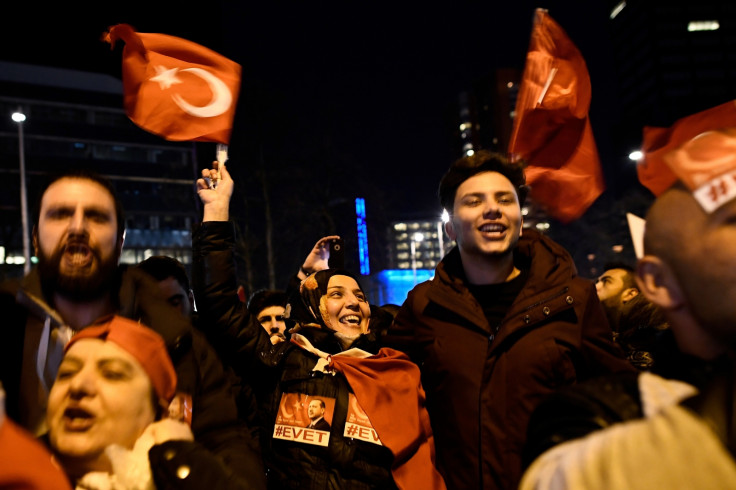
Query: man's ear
657	282
450	230
628	294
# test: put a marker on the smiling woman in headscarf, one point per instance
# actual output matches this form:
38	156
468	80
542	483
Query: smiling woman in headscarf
379	434
332	299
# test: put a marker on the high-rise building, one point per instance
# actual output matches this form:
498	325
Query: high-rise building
76	120
417	244
671	59
484	115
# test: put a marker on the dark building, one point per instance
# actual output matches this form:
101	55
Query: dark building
484	115
76	119
672	59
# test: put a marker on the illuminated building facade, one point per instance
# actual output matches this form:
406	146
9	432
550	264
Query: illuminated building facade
417	244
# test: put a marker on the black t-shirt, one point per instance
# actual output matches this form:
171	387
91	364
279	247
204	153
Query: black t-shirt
496	299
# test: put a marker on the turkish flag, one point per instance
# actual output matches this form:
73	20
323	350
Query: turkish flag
653	171
388	388
552	131
175	88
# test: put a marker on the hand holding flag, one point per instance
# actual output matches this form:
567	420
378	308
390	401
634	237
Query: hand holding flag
175	88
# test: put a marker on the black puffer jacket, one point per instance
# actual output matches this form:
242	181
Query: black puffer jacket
346	463
215	423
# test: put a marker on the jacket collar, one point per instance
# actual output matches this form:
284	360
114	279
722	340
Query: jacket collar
132	284
550	269
546	260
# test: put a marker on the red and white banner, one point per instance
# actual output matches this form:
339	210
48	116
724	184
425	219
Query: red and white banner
358	425
297	415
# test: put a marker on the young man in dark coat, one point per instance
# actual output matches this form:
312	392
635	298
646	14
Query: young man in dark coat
504	322
78	239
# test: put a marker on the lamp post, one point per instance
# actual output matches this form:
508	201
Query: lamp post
415	238
440	232
19	118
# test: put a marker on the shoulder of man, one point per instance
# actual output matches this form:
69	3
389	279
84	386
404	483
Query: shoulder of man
578	410
140	298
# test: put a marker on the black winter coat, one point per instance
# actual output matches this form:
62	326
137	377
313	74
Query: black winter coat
346	463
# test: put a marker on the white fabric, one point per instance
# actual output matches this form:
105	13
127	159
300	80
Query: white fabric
671	449
658	393
324	358
131	469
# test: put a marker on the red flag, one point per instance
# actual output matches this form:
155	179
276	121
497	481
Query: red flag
175	88
653	171
388	388
552	132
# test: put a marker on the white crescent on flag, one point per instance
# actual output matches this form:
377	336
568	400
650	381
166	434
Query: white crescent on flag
221	97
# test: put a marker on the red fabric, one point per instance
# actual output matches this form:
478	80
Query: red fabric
25	464
193	101
388	388
653	170
141	342
554	135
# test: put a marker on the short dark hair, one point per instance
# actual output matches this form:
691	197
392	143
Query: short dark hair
321	402
263	298
85	174
629	278
162	267
481	161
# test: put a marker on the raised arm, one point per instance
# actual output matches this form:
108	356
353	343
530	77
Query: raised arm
318	258
236	334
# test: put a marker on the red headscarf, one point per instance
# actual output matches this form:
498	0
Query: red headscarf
141	342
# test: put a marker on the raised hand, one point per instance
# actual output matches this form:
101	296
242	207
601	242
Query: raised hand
318	257
214	190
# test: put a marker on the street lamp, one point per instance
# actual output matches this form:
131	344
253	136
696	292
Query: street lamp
415	238
636	155
19	117
440	232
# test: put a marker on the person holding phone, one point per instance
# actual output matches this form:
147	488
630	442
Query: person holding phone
327	252
300	380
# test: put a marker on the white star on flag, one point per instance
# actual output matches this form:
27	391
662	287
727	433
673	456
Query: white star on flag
166	77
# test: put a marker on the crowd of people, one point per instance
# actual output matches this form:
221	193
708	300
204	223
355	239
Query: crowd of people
505	370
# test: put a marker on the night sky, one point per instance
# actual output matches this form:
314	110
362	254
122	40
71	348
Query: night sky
377	80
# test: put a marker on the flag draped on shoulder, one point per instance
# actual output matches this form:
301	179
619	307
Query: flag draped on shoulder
552	131
175	88
389	389
653	169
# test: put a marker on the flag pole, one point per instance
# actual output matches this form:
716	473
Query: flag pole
221	156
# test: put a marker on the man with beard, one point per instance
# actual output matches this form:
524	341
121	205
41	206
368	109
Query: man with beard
636	322
504	322
78	238
617	285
